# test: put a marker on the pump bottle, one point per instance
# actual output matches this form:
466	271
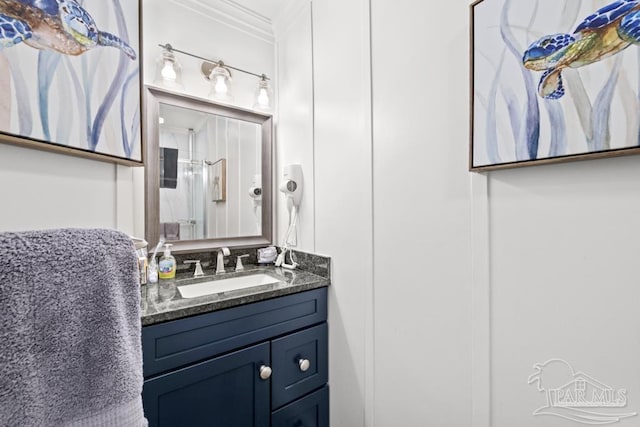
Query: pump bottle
167	265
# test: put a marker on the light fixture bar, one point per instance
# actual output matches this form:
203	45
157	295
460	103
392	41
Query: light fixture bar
173	49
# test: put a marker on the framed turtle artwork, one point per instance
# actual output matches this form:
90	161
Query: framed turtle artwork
553	81
70	77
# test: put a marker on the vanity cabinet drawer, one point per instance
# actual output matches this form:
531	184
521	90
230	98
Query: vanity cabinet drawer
177	343
300	364
310	411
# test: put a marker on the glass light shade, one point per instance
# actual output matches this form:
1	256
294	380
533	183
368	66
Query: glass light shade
168	71
264	95
220	79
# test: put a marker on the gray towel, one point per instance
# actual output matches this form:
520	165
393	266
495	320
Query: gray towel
70	329
168	167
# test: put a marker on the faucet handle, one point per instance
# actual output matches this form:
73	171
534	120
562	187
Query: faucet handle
198	272
239	266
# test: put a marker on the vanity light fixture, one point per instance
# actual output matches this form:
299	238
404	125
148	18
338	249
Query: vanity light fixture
168	69
219	74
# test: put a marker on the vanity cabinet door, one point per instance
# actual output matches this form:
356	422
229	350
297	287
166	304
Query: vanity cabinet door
221	392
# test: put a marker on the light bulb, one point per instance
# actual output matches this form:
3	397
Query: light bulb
220	78
221	85
168	73
263	98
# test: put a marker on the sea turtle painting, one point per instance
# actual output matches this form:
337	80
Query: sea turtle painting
60	87
63	26
603	34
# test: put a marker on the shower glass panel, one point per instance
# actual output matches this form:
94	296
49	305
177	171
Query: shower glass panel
181	213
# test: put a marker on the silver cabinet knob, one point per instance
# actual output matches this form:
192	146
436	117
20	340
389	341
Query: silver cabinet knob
304	364
265	372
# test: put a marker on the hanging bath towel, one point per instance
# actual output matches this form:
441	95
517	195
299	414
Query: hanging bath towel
70	329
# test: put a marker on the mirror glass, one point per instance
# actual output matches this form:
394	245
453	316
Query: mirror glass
208	174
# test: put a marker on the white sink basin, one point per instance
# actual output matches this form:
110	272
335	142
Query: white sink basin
225	285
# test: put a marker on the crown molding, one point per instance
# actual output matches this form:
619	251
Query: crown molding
288	15
233	15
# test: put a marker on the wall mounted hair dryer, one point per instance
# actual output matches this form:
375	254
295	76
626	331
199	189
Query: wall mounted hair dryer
291	186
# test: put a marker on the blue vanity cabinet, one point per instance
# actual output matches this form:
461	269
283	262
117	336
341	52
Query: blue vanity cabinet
257	365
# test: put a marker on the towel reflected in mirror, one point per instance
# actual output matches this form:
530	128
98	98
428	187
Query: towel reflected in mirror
170	230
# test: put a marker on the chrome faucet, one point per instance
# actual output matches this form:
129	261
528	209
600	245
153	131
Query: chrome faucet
222	252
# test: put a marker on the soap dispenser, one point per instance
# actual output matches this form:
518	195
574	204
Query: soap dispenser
167	265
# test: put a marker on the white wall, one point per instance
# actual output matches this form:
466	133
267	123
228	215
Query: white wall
404	359
421	214
564	280
476	277
294	128
343	197
43	190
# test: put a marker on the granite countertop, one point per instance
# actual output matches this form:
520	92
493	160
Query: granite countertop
162	301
